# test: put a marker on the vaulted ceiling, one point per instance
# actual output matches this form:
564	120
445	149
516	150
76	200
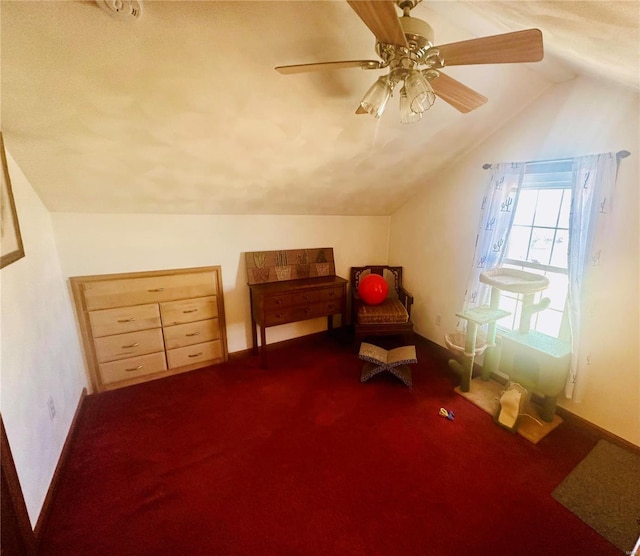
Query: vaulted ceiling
181	111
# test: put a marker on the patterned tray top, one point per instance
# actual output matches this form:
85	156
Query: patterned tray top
292	264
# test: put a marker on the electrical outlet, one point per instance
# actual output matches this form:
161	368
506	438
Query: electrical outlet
438	320
52	408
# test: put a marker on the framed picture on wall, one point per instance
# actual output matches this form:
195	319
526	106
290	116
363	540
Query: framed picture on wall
10	239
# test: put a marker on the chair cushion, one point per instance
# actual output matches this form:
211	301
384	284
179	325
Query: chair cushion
390	310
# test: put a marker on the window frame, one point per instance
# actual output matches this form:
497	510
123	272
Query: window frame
552	175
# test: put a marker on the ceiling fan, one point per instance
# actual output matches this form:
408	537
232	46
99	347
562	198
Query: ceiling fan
405	45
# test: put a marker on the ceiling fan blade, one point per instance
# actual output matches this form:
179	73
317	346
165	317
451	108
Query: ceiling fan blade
461	97
519	46
381	18
323	66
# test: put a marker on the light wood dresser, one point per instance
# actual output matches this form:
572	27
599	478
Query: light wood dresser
142	326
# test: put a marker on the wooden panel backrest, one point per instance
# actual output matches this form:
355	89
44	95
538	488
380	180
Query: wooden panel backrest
290	264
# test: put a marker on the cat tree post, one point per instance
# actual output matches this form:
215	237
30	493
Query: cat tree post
476	317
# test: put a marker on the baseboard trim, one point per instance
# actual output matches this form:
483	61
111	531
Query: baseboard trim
45	511
580	422
595	430
17	534
284	343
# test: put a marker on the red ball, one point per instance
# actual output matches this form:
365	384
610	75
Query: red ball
373	289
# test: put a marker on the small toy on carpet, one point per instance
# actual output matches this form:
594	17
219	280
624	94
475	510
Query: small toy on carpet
448	414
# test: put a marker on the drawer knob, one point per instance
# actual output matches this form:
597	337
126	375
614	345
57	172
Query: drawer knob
190	311
134	369
332	294
193	334
278	315
156	290
195	354
306	297
126	320
278	301
131	346
331	305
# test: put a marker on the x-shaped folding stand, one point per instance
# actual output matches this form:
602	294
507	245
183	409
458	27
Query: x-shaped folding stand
394	361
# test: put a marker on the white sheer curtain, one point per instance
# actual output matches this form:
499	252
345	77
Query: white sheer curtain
594	179
496	217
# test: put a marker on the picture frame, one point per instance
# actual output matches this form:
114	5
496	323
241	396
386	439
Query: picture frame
11	247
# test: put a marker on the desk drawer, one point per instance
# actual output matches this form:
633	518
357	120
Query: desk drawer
124	319
125	369
315	296
196	353
151	289
294	314
277	302
189	310
191	333
123	346
317	310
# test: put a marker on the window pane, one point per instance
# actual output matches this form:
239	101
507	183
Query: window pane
508	304
539	239
559	256
557	290
549	322
565	209
541	243
547	207
526	207
519	243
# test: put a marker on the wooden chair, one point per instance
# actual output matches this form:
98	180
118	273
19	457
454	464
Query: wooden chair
392	317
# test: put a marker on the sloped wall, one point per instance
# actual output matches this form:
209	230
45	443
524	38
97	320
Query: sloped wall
41	355
433	237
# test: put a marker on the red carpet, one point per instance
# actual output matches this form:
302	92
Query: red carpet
303	459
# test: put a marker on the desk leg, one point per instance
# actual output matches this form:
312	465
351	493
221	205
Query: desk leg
254	334
330	322
254	337
263	347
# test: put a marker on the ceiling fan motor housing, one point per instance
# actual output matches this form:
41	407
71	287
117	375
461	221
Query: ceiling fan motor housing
401	59
418	32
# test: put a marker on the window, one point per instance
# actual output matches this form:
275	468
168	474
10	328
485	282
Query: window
538	242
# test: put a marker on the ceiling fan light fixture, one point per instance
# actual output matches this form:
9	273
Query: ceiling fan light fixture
407	116
419	92
376	98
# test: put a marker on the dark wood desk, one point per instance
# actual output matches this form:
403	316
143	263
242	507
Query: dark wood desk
276	303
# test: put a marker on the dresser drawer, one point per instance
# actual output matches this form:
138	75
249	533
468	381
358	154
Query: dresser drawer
148	289
123	346
189	310
196	353
125	369
315	296
182	335
124	319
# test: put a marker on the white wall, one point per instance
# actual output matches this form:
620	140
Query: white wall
99	243
40	351
433	237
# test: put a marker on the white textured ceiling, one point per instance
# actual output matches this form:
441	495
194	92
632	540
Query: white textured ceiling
182	112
